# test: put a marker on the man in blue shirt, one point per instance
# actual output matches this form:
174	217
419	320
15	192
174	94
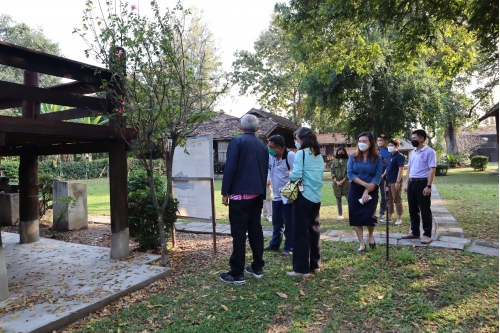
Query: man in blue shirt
384	153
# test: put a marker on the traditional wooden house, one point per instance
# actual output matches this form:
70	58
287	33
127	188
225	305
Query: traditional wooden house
224	127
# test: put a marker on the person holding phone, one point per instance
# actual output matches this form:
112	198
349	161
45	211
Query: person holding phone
364	170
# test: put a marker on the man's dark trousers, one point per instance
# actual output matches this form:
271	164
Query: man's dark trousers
416	201
306	235
244	216
282	224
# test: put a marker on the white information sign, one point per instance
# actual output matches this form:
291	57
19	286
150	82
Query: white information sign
194	198
192	173
197	162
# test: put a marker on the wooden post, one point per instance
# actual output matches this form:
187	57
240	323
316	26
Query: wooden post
118	200
214	224
4	287
28	175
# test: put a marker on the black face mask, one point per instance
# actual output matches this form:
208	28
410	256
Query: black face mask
415	143
342	156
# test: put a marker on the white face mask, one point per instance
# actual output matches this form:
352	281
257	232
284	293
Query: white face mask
363	146
297	144
391	149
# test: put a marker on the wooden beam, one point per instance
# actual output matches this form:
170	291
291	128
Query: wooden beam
67	114
32	127
76	148
41	95
36	61
71	87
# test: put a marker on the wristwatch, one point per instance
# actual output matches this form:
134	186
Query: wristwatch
429	186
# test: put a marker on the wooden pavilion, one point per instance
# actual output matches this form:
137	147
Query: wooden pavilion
36	134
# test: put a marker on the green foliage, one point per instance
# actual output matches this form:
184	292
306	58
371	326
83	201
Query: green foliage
45	187
143	220
271	74
11	169
405	257
479	163
442	169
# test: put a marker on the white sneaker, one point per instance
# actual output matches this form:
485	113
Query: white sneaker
270	219
382	219
398	222
294	274
340	217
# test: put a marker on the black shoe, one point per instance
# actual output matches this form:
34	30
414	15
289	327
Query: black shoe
372	245
269	248
256	274
286	253
228	278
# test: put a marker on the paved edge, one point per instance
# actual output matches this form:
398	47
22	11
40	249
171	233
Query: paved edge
82	313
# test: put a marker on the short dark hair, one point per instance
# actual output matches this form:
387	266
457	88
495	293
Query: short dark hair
394	142
309	139
341	148
277	140
420	133
382	136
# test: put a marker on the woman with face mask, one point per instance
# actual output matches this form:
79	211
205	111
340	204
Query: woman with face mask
364	170
394	167
338	170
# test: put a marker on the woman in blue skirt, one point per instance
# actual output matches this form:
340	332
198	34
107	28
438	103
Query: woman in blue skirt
364	170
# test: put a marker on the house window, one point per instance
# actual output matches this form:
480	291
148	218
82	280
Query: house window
322	150
222	151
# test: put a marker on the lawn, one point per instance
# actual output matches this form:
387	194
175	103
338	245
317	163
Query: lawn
472	198
419	290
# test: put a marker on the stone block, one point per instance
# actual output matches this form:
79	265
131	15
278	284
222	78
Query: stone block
458	240
453	232
340	233
410	242
349	239
482	250
447	245
493	245
67	216
383	240
9	208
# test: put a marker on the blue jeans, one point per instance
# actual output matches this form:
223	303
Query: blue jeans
383	199
282	224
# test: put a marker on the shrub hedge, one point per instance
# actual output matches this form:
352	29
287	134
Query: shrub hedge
442	169
78	170
479	163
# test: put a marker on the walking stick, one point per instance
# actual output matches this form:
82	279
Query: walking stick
386	192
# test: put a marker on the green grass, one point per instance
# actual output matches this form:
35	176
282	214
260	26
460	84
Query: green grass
472	198
419	290
97	196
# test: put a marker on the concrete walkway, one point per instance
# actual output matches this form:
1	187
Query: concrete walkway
54	283
447	232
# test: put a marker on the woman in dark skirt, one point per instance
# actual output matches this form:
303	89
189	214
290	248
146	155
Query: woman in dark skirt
364	170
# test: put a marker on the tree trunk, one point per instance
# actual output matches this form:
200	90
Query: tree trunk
450	136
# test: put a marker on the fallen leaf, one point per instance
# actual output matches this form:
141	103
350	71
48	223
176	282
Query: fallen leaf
302	292
380	296
282	295
224	307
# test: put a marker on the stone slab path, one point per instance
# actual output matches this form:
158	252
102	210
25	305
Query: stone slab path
446	232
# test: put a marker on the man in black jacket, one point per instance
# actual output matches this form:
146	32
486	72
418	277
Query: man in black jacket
244	190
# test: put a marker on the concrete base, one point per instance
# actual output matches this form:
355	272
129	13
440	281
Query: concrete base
29	232
9	208
119	245
54	283
72	217
4	285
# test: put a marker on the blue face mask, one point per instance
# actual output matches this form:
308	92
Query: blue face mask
271	152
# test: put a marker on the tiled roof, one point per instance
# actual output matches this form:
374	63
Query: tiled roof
281	121
224	127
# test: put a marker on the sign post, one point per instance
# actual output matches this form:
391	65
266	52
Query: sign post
193	180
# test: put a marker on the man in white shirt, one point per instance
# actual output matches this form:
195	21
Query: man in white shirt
280	162
420	176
